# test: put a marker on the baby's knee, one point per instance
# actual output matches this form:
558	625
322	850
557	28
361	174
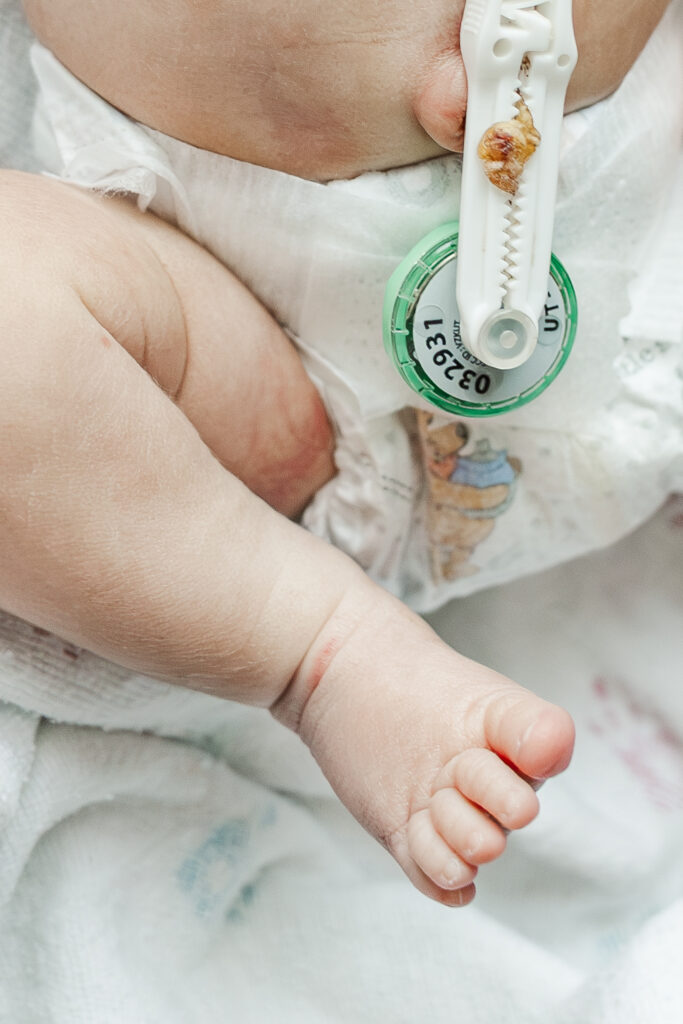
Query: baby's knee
69	254
37	277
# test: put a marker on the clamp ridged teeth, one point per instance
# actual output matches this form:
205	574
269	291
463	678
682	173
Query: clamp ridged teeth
515	230
513	222
504	262
514	100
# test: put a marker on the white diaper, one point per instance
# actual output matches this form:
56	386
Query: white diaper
572	471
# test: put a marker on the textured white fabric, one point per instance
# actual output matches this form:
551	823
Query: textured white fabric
578	467
204	873
19	89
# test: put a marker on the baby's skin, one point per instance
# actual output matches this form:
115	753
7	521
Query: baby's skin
145	479
318	88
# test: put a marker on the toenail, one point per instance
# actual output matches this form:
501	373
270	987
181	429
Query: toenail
512	805
452	873
525	736
476	841
456	874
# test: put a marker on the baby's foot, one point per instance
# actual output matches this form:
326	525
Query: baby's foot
435	755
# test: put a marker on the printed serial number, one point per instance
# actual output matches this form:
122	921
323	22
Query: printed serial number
453	370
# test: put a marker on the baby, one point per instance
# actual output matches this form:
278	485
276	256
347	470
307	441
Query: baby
155	421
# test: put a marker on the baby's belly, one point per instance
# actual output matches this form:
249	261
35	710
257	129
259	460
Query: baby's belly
323	91
309	92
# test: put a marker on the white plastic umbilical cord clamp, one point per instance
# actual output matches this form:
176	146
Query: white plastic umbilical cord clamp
519	56
423	335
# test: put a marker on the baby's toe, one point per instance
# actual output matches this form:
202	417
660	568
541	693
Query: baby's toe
467	830
536	737
433	856
483	779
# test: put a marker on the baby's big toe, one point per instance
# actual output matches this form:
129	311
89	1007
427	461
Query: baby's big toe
536	737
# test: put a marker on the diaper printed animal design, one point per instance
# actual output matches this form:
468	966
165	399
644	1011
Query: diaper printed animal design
466	492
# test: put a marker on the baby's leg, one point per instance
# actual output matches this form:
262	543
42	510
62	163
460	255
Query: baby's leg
120	528
122	532
196	330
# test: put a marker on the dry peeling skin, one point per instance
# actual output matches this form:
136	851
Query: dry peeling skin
506	146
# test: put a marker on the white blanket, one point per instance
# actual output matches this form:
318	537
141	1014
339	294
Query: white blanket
206	874
168	858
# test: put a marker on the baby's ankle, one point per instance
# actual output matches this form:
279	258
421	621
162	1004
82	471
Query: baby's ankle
360	602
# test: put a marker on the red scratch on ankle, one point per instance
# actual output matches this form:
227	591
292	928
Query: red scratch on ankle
322	662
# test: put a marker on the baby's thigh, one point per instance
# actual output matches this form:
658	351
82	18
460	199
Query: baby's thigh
190	323
61	244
